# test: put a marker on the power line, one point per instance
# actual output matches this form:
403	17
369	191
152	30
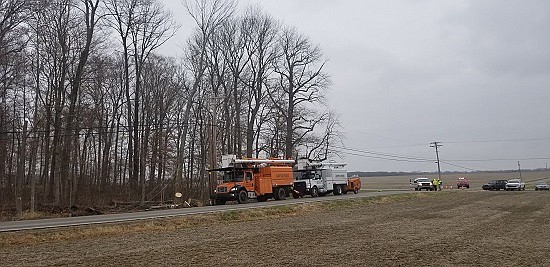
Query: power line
497	140
487	160
377	157
387	155
458	166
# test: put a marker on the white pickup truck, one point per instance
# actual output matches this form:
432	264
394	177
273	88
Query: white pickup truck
515	184
421	183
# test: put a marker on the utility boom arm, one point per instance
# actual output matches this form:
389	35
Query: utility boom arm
306	164
231	160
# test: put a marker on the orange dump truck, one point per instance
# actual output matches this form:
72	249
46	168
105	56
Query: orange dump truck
262	179
354	184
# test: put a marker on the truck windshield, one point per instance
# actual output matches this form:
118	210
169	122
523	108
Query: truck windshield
307	175
236	176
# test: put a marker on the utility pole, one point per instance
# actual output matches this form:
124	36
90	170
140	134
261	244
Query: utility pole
213	141
547	171
519	168
436	145
20	171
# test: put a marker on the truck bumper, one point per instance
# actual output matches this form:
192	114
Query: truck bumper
226	196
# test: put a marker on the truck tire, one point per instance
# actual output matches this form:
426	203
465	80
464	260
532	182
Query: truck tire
337	190
314	192
356	190
242	197
280	193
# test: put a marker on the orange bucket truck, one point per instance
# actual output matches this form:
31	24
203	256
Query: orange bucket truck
245	179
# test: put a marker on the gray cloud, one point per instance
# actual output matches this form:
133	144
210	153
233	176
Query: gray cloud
407	73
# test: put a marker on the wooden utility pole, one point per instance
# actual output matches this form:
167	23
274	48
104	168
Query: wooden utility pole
20	171
519	168
436	145
213	141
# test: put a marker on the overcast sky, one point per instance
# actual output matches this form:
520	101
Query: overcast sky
473	75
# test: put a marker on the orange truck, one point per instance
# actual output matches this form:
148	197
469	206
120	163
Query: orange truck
262	179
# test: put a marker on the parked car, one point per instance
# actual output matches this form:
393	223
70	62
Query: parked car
462	182
515	184
421	183
495	185
541	186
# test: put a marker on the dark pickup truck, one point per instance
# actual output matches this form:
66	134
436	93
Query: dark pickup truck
495	185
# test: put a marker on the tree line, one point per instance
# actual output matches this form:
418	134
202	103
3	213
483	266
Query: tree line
91	112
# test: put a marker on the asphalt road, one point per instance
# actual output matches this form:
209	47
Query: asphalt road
135	216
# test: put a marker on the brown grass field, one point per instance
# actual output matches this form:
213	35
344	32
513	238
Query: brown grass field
449	228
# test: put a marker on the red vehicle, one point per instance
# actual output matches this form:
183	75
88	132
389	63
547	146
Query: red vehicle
462	182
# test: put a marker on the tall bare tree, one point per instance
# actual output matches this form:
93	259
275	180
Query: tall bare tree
301	82
261	50
209	16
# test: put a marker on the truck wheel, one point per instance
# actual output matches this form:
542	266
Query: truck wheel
220	202
337	190
314	192
243	197
356	190
345	192
280	193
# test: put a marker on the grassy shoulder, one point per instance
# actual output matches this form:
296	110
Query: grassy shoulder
184	222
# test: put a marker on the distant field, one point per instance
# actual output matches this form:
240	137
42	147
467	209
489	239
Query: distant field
476	179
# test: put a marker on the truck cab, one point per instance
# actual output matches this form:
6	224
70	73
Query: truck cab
319	178
244	179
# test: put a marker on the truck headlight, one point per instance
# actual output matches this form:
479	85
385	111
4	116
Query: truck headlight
233	189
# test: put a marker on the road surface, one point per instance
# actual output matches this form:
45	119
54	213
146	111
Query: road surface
135	216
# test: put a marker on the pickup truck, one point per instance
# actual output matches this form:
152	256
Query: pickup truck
421	183
495	185
515	184
462	182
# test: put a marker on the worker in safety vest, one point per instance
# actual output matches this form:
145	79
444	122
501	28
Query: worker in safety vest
434	184
439	183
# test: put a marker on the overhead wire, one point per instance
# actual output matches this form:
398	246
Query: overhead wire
385	154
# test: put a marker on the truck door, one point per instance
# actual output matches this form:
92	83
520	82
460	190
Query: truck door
248	182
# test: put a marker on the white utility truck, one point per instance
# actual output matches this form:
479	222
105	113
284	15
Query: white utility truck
319	178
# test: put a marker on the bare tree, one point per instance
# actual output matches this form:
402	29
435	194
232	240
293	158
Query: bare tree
233	41
13	14
209	16
143	26
123	15
300	82
321	146
261	50
90	17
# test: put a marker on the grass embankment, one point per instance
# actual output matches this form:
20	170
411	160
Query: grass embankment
183	222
